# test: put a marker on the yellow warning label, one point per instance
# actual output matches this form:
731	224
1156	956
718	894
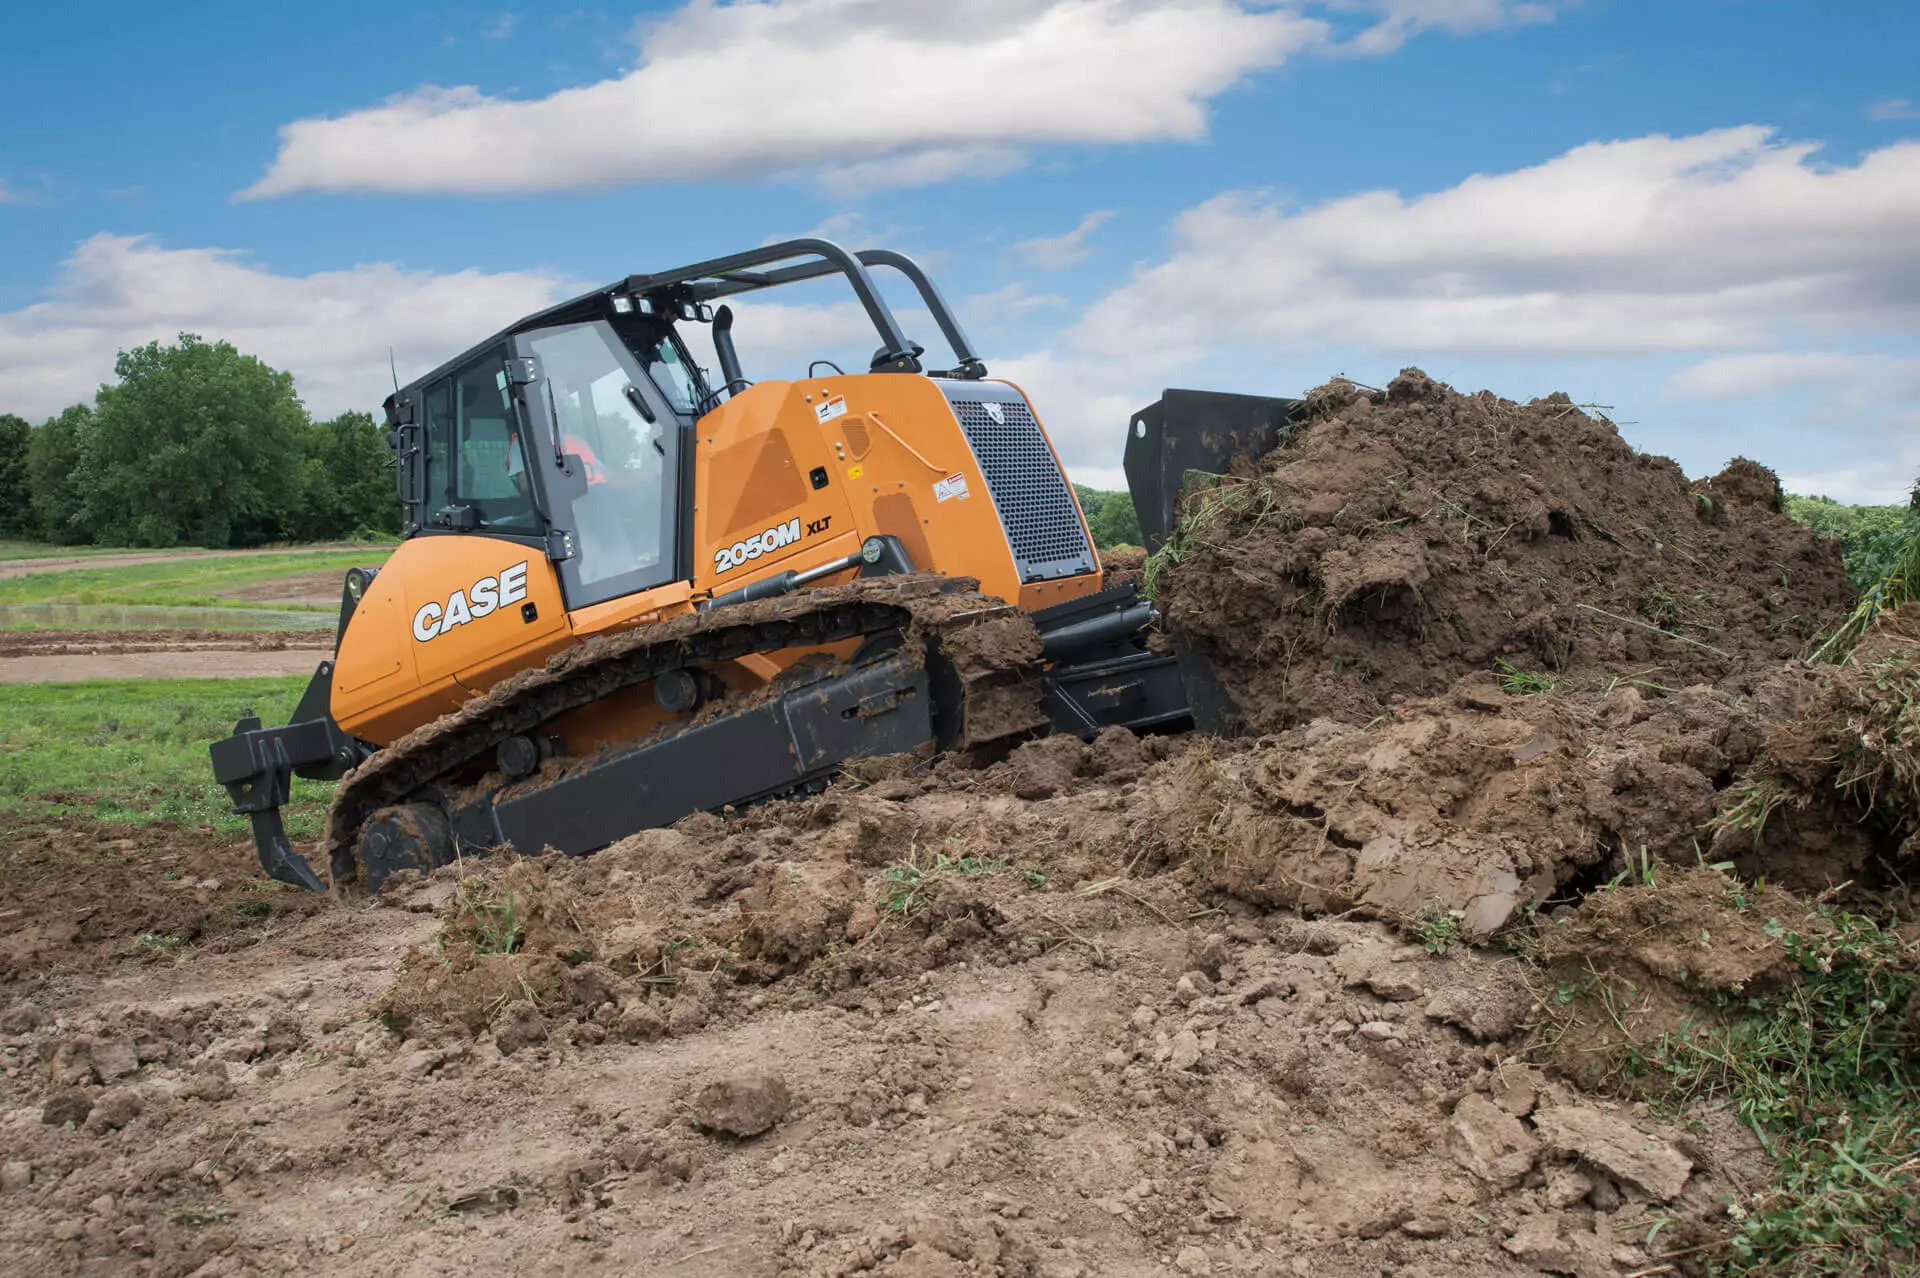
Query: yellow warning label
854	472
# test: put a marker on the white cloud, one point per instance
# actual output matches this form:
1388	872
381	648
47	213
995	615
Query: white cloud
1718	240
1754	376
502	27
883	91
1893	109
1401	20
331	329
1055	252
10	194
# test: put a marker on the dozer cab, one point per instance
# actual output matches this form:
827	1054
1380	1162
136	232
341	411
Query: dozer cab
627	592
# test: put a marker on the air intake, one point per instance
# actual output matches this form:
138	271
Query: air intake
1036	506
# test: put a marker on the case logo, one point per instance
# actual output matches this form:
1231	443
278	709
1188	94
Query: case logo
478	600
728	558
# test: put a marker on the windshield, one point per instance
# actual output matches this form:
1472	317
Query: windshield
616	490
665	363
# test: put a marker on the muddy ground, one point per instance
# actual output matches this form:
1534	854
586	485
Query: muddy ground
46	656
922	1025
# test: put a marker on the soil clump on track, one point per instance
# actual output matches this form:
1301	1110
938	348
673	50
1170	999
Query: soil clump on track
1399	539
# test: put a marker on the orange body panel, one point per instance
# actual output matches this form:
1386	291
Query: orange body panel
788	475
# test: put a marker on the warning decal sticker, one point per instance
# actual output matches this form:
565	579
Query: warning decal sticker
952	486
828	409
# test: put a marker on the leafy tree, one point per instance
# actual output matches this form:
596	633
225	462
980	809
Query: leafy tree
1110	518
197	444
346	480
54	455
16	495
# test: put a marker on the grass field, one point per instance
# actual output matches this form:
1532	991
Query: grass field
186	583
135	750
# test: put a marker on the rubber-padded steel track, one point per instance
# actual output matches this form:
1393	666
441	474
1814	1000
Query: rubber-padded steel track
921	603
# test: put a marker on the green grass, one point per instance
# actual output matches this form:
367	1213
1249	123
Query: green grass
135	750
186	583
1825	1073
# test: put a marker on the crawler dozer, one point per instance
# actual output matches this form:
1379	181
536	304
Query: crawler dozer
628	591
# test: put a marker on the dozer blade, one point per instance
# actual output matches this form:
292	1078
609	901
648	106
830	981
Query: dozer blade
1183	434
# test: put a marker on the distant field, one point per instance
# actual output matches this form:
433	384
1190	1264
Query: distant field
135	750
294	581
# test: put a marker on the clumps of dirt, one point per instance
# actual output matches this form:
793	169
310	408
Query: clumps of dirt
86	894
510	943
1401	539
1835	794
1460	812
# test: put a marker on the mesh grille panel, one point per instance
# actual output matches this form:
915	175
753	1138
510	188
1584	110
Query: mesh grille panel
1031	494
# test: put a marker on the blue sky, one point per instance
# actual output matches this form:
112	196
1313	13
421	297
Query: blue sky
1703	212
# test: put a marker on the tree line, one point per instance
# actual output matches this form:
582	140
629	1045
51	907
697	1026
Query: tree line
195	444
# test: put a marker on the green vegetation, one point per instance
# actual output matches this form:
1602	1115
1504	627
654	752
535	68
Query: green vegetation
1870	536
488	918
908	884
1825	1073
135	750
1899	584
195	444
1110	517
1523	683
186	583
16	495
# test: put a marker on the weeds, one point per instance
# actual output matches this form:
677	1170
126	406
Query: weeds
1524	683
1439	928
490	923
1825	1073
907	885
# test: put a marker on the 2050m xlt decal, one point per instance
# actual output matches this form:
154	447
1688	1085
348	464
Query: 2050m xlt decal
728	558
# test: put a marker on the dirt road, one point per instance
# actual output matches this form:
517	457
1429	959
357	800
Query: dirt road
49	656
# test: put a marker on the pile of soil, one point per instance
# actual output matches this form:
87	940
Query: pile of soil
937	1021
1400	539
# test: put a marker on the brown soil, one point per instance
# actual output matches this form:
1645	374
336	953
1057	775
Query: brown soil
62	656
87	643
1404	538
914	1026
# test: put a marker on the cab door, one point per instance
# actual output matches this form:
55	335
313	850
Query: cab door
482	598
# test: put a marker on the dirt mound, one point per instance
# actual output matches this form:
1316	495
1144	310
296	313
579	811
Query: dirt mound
917	1025
1401	539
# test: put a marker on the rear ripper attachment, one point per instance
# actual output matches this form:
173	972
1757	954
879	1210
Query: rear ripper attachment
938	665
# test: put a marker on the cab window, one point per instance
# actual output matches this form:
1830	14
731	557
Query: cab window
609	456
492	466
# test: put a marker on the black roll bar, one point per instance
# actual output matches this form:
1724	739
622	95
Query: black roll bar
736	273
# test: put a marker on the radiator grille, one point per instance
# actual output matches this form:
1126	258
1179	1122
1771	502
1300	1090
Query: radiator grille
1036	507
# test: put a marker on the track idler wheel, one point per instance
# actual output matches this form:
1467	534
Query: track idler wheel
410	836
